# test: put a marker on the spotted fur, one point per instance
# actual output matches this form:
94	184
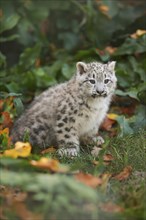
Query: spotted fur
71	112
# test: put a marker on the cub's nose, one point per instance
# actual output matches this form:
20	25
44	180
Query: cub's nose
100	92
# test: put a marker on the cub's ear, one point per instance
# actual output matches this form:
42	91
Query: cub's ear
111	65
81	67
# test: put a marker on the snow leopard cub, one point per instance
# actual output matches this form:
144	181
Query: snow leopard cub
71	112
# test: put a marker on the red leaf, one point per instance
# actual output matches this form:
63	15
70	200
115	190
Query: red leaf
124	174
107	124
7	121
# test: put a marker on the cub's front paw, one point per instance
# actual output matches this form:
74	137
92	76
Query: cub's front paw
100	140
68	152
95	151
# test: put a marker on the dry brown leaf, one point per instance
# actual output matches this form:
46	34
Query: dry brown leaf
49	164
88	179
110	49
111	207
107	124
96	162
7	121
128	110
15	201
108	157
1	104
103	8
22	211
48	150
124	174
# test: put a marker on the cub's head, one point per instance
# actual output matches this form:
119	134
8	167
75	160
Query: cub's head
96	79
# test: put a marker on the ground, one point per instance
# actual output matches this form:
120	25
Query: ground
110	186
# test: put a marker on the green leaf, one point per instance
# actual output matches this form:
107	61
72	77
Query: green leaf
132	93
124	126
131	46
142	96
9	22
10	38
29	56
67	71
18	105
2	60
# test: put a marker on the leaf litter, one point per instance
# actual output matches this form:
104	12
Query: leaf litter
124	174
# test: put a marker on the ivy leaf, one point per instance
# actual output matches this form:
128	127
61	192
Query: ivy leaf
124	126
9	22
18	105
29	56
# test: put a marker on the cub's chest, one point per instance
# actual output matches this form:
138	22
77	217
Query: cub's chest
90	117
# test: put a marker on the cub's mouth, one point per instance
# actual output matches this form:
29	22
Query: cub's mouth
97	95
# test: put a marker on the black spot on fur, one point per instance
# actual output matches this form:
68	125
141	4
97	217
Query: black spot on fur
62	142
58	117
43	136
63	110
46	125
36	130
71	119
75	111
67	129
80	114
87	106
65	119
41	128
38	119
60	124
73	134
59	131
66	136
44	116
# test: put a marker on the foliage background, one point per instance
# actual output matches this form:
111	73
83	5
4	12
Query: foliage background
42	41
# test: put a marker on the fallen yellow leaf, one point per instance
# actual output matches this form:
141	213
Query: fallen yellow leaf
112	116
138	33
5	131
49	164
21	150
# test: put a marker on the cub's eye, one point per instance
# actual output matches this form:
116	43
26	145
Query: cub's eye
107	81
92	81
